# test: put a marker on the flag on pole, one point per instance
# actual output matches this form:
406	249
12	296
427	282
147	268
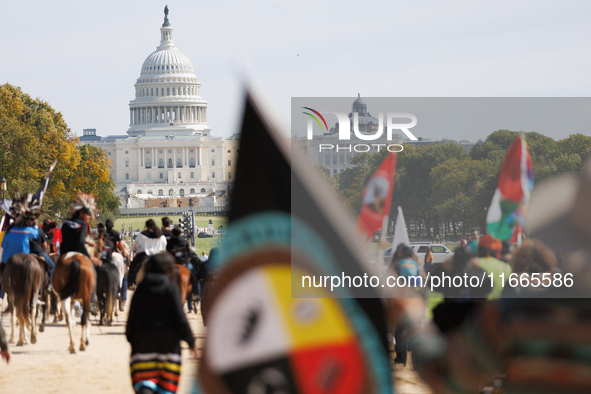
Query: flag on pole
377	197
41	192
506	214
400	232
265	332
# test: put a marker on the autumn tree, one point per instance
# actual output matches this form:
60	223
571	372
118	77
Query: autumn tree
32	136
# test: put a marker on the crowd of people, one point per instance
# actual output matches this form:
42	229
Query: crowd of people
156	320
515	336
536	337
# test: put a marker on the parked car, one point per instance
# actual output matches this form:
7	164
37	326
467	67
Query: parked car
204	235
441	253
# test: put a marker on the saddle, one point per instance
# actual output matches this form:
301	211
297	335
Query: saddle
41	260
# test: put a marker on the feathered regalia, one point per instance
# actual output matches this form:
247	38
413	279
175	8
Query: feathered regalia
85	203
25	210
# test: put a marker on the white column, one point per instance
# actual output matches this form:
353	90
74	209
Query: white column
153	157
199	157
203	163
130	117
173	157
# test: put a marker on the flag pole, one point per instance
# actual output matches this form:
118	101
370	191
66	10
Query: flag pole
382	243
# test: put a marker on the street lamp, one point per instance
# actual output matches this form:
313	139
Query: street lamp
3	187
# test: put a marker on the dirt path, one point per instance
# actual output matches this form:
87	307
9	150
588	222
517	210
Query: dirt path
47	367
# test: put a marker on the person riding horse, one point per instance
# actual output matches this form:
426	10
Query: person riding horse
112	235
146	244
18	235
180	249
75	231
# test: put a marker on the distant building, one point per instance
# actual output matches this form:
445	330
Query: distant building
89	135
421	142
168	151
467	145
339	159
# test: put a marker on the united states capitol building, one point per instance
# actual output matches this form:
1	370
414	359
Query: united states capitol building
168	153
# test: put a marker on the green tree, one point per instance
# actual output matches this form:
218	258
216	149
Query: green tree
92	176
32	136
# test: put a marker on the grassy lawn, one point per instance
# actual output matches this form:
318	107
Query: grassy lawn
140	223
201	244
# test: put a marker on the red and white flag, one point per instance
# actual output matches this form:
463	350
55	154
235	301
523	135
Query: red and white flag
377	197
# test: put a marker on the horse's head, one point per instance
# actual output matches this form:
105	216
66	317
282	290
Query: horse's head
94	245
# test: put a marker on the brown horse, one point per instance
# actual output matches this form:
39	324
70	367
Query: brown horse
74	279
21	280
184	280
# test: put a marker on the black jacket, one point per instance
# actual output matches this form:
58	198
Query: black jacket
113	236
179	248
107	252
156	320
74	236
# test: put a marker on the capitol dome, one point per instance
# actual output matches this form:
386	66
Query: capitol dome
168	93
167	61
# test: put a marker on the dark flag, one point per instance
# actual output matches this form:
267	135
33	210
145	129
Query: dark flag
267	330
41	192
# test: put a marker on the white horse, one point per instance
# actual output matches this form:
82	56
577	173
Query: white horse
119	262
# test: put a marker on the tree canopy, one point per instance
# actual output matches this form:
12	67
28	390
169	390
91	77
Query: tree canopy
32	136
444	183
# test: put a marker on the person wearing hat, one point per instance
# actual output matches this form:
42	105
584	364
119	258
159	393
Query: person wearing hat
74	231
180	249
489	254
19	234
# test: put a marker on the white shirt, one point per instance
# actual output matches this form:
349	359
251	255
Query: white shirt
149	246
204	258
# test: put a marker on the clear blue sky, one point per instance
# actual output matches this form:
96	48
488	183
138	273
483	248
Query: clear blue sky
84	57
